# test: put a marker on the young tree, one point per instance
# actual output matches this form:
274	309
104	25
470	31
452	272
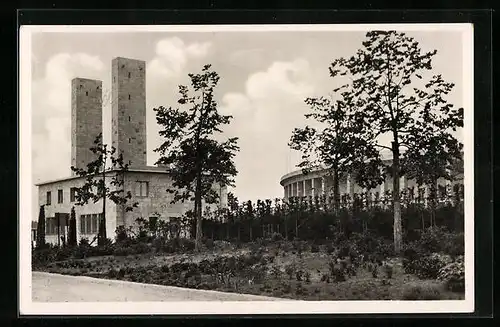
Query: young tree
336	144
72	240
196	159
40	228
96	188
399	98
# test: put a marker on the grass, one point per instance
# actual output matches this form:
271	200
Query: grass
277	283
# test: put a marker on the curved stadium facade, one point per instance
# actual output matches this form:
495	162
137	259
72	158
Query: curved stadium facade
320	182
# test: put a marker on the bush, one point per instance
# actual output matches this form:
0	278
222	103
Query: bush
338	271
453	275
314	248
427	267
454	244
208	243
276	237
439	239
427	291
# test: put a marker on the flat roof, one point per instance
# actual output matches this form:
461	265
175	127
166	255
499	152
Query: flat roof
145	169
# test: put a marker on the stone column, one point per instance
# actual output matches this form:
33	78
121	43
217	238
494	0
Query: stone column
296	188
322	185
312	188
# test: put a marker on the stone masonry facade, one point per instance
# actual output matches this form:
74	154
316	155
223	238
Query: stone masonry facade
147	184
129	110
148	188
86	119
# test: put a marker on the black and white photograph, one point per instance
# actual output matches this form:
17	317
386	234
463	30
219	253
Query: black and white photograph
249	169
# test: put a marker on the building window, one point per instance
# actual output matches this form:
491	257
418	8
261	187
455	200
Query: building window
51	226
60	196
49	198
72	194
82	224
129	140
129	95
129	75
89	224
87	93
128	118
141	189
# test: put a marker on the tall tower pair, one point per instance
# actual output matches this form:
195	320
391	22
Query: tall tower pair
128	105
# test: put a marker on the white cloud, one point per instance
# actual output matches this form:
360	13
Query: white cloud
165	72
172	55
51	106
264	118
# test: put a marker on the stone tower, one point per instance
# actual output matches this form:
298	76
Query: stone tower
86	119
129	110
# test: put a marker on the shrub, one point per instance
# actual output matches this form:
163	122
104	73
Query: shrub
290	270
208	243
337	271
107	248
454	244
426	291
389	270
121	234
300	290
314	248
307	276
330	248
299	274
287	288
427	266
453	275
276	237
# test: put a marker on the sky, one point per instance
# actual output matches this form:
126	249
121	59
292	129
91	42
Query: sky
265	77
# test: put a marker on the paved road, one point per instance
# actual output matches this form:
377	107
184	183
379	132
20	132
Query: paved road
60	288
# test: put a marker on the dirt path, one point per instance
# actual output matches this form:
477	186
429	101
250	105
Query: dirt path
60	288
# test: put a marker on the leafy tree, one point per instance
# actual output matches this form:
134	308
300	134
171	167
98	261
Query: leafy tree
40	228
196	159
398	97
72	240
337	144
96	188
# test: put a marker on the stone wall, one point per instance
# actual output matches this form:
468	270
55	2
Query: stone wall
66	205
86	119
129	110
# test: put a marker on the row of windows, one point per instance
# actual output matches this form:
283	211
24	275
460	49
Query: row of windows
141	189
89	224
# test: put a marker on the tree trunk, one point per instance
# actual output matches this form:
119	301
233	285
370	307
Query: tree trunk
398	230
58	230
198	211
102	222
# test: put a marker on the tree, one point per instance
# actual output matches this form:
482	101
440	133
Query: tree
398	97
95	187
72	240
196	159
335	145
40	228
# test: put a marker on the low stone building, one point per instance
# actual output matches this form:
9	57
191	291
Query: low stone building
147	184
